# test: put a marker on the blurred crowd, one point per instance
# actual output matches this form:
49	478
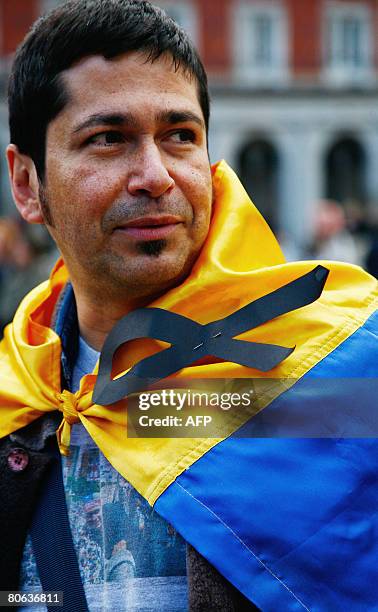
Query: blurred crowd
346	233
27	254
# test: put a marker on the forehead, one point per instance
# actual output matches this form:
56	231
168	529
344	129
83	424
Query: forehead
128	83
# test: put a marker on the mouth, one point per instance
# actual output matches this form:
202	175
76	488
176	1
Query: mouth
150	228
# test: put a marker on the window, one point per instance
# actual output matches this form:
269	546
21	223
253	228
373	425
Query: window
183	13
47	5
263	34
345	166
348	42
260	43
258	171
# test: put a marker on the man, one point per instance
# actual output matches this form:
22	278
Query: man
109	112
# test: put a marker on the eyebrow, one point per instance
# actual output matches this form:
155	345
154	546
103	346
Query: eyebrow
105	119
127	119
173	117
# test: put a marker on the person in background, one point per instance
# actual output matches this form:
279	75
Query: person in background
333	240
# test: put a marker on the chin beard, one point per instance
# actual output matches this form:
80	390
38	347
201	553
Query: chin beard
152	247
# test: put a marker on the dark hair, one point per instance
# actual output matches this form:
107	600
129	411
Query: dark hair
77	29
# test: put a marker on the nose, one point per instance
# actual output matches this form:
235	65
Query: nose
148	174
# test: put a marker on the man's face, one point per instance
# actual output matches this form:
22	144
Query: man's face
128	182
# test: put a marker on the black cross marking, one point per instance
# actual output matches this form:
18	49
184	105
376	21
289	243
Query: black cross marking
191	341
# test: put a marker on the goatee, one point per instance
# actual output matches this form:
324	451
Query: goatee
152	247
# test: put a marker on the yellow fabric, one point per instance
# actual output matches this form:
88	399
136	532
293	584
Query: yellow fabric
240	262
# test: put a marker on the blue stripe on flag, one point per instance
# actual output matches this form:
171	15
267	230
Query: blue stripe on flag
292	523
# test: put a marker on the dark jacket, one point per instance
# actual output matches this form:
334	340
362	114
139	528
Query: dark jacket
19	492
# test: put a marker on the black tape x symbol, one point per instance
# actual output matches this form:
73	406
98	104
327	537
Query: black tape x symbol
191	341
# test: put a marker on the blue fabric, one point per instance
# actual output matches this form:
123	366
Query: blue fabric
50	535
67	327
86	360
292	523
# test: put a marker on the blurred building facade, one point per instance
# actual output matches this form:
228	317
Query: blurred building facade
294	89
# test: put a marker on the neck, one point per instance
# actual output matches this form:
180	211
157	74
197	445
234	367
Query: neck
98	317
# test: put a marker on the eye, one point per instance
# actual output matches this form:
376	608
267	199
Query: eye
183	136
106	138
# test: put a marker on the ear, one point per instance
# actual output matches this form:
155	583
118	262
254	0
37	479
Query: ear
25	185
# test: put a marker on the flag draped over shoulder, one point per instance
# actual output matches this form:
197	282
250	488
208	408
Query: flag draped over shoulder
291	522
